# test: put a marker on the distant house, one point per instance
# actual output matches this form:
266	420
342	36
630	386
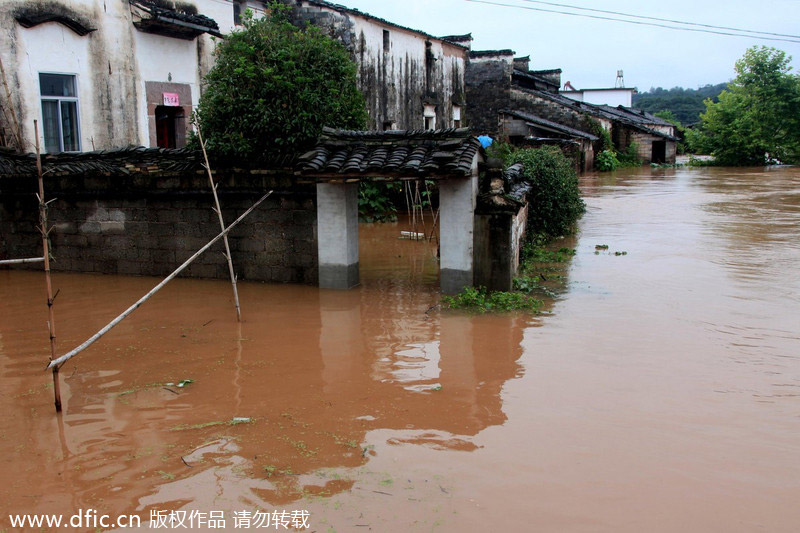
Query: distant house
411	79
608	96
524	129
505	97
105	75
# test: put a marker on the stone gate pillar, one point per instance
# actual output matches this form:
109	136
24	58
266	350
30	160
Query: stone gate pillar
337	235
456	222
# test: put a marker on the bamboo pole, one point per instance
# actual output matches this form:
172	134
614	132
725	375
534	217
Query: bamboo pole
67	356
218	209
21	261
51	321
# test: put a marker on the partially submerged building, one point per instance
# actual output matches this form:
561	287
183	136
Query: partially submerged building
507	99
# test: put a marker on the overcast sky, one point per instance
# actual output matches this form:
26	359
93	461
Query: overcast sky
591	51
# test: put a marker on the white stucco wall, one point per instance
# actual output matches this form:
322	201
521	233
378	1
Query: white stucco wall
611	97
111	65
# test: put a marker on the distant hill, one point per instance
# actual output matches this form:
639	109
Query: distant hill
686	104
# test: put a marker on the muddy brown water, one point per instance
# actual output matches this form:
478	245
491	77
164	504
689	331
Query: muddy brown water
660	393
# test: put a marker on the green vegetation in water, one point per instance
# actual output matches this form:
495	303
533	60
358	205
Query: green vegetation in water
482	301
555	205
611	159
375	201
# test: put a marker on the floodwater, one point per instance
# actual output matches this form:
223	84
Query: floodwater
661	392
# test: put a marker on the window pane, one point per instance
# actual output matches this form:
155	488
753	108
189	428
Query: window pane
57	85
50	126
69	126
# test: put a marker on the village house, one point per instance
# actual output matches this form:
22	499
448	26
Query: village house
103	75
507	99
611	96
411	80
109	75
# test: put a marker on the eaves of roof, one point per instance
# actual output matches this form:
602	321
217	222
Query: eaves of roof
595	110
544	123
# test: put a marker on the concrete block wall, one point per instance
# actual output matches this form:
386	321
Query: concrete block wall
147	225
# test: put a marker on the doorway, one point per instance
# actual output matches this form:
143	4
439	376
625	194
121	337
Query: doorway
166	120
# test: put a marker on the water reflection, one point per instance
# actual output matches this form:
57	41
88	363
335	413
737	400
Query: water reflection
309	374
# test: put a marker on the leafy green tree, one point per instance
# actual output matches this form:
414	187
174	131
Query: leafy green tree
757	119
555	199
273	88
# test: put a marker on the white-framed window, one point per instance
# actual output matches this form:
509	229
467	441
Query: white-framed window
456	116
60	119
429	116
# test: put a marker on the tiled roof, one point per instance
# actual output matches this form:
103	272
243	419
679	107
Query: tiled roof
182	24
490	53
395	153
458	39
548	124
33	15
107	162
605	112
532	78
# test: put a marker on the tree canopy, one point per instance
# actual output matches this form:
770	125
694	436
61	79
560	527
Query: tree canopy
685	104
273	88
757	118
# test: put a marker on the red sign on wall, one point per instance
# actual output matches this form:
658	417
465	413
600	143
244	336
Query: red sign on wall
171	99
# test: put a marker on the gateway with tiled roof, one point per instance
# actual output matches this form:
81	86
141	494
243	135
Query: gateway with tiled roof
343	155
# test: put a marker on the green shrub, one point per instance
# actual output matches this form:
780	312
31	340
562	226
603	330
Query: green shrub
272	89
606	161
375	201
630	157
555	201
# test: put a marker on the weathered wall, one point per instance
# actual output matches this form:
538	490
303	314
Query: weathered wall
398	72
553	110
111	65
488	83
644	144
497	246
148	225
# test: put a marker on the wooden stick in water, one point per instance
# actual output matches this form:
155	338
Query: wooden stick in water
51	321
21	261
67	356
221	225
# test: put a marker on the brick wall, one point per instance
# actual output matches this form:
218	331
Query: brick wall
149	224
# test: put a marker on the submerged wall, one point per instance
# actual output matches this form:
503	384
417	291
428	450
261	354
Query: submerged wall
149	224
